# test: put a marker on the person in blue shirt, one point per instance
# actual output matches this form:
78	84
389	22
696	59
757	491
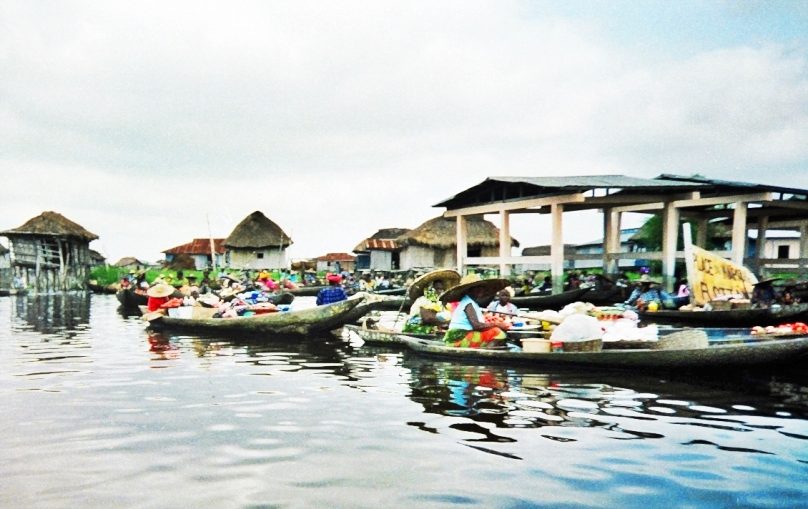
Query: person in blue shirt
333	292
648	291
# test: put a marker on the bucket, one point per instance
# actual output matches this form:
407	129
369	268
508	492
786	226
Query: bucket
536	345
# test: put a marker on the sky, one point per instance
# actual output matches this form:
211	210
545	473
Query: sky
153	123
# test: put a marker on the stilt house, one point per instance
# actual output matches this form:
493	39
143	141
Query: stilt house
50	253
257	243
380	251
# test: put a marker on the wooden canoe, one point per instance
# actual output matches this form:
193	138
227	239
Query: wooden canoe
728	317
552	301
715	355
131	300
300	322
381	336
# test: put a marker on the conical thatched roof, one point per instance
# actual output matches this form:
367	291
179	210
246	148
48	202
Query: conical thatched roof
441	232
257	231
51	223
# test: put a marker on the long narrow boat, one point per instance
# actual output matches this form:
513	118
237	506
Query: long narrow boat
131	300
716	355
600	297
552	301
306	291
728	317
381	336
302	322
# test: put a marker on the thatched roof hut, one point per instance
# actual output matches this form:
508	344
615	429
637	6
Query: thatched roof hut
50	252
51	223
441	233
257	231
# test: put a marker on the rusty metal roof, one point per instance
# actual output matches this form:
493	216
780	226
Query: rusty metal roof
197	246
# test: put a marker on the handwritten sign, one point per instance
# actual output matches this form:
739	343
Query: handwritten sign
711	276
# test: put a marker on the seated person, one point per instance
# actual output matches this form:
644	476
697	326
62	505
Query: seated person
646	292
427	313
158	294
763	294
545	287
468	328
333	293
503	304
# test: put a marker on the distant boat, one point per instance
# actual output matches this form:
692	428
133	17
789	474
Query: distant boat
301	322
131	300
551	301
728	317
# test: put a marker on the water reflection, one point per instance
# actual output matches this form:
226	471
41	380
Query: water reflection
50	313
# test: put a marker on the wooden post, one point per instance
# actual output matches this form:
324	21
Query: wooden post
701	234
504	243
557	248
670	236
611	236
760	245
803	244
739	232
461	244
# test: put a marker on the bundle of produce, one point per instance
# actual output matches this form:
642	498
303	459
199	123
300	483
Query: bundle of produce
785	329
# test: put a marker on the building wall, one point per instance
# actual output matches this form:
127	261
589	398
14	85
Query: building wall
381	260
771	248
48	263
267	258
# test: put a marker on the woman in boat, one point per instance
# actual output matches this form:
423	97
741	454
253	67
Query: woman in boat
468	328
647	294
428	314
158	294
333	293
763	294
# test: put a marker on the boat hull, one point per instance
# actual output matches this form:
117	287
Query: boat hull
729	317
724	355
305	321
553	301
131	300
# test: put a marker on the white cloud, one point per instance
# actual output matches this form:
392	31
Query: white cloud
337	119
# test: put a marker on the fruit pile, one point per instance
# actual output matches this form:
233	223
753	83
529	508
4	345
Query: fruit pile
503	322
782	329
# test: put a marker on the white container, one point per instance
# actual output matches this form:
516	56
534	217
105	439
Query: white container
181	312
535	345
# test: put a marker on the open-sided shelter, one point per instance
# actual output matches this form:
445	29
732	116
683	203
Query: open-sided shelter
738	204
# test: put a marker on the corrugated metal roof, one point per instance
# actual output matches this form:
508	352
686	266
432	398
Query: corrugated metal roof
381	244
336	257
197	246
498	189
732	184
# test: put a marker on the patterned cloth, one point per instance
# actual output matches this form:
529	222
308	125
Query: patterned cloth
330	295
475	339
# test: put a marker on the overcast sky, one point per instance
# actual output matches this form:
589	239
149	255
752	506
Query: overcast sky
146	121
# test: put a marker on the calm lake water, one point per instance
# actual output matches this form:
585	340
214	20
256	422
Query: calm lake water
98	412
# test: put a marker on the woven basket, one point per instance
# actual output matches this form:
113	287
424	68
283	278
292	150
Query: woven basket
721	305
690	338
590	345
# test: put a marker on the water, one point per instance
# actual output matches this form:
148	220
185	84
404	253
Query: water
98	412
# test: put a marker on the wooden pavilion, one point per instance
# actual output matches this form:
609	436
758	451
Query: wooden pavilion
741	205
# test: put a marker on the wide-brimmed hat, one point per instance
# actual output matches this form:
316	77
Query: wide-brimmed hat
766	281
449	277
645	278
160	290
470	281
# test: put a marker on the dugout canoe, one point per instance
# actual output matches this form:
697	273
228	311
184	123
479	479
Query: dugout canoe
301	322
552	301
756	353
728	317
131	300
381	336
306	291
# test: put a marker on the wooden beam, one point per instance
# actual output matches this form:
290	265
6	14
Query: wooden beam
461	243
670	236
640	208
492	208
762	225
623	200
720	200
557	248
504	243
739	233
